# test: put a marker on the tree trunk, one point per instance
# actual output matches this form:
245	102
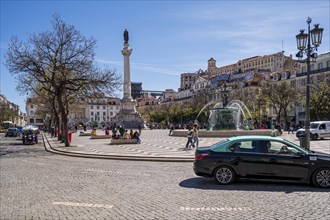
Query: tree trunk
64	120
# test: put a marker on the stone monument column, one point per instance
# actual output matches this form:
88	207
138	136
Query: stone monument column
127	75
127	115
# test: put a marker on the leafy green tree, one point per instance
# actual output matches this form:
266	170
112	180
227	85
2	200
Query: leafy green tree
320	101
281	96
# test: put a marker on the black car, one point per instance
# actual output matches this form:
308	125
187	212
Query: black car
262	157
12	132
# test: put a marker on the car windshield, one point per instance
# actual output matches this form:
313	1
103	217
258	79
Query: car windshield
298	147
314	125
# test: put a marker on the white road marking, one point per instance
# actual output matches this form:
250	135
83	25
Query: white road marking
83	205
104	171
118	172
215	208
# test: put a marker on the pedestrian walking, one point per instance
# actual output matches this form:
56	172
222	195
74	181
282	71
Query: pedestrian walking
195	135
171	129
189	143
279	129
291	129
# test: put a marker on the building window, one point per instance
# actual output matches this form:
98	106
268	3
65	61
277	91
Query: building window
31	106
328	64
104	107
97	107
303	69
92	113
98	113
312	67
92	107
103	113
320	66
32	120
39	120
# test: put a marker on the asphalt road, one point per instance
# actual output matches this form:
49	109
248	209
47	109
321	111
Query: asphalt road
35	184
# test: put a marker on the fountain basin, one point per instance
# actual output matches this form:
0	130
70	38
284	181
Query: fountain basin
226	133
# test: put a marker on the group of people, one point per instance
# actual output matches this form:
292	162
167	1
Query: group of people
192	136
124	134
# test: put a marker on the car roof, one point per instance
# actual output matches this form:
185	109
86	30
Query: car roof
255	137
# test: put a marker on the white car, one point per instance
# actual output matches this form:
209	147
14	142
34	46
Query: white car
318	129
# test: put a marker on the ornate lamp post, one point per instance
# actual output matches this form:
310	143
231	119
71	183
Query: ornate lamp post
302	39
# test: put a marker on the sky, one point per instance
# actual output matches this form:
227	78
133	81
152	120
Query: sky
168	38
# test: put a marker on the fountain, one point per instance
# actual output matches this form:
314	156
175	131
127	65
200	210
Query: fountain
234	117
226	120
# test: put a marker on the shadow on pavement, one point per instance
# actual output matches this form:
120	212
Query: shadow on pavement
249	185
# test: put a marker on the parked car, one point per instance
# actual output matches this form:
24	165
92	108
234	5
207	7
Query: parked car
29	136
262	157
12	132
318	129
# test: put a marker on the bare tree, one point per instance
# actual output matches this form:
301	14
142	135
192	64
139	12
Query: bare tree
60	62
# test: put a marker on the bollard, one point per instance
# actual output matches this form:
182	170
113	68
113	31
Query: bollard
69	136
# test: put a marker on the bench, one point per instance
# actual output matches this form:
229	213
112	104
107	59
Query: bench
100	136
123	141
85	134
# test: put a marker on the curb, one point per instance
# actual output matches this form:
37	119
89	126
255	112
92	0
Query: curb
112	157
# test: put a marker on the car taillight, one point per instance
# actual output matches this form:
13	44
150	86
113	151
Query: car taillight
200	156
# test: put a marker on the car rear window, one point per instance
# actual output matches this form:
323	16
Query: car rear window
220	146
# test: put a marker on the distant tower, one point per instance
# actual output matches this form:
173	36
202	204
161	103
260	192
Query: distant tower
211	65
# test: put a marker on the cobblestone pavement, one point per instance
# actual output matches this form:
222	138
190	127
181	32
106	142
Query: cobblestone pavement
157	143
35	184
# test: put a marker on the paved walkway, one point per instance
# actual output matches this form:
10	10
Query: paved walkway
156	145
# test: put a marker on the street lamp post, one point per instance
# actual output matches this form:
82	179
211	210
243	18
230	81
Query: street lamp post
302	38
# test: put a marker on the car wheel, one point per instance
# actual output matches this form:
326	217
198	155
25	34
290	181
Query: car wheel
224	175
321	178
315	136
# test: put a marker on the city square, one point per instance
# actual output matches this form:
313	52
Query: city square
165	110
36	184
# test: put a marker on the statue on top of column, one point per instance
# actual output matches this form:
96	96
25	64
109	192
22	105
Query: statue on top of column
126	36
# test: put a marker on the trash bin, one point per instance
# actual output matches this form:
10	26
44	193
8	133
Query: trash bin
303	142
70	136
